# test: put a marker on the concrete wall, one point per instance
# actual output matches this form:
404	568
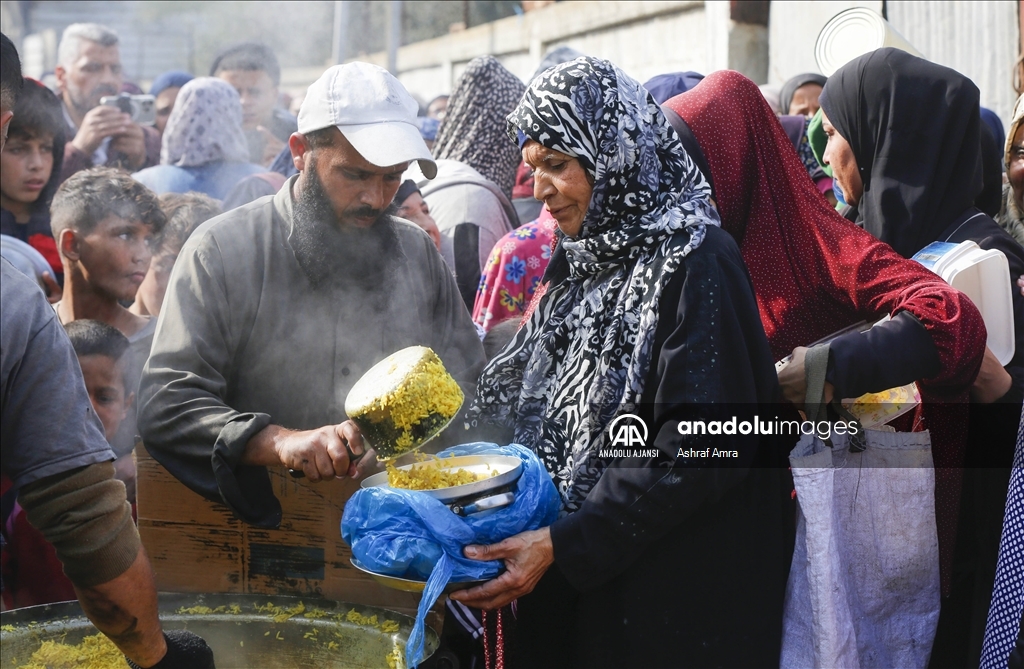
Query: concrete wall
793	28
978	39
147	47
644	38
11	21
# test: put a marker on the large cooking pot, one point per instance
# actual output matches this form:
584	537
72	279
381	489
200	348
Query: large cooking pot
495	491
282	635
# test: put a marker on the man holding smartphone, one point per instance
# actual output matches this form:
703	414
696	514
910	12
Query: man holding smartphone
88	69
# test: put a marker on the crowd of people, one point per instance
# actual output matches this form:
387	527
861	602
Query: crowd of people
573	247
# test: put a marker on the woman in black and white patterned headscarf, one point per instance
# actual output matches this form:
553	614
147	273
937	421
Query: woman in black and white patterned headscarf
648	312
649	208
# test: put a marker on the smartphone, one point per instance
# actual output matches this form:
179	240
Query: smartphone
142	108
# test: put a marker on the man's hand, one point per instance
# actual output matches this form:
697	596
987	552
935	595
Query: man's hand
319	454
793	380
527	556
131	143
271	146
993	380
99	123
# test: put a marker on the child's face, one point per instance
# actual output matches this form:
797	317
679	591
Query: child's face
104	379
25	167
151	292
115	256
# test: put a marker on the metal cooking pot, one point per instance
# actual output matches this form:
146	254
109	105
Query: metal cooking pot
493	492
248	638
411	584
385	450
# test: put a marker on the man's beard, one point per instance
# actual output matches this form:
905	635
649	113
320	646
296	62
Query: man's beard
364	259
83	103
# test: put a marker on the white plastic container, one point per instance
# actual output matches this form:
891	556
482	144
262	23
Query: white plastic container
854	32
984	276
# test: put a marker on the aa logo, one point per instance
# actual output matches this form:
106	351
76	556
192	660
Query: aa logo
628	431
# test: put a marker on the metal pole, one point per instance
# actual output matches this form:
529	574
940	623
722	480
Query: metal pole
394	34
338	43
191	27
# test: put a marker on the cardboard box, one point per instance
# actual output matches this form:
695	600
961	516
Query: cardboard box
198	546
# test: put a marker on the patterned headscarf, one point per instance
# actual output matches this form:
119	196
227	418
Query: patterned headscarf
585	352
471	132
205	126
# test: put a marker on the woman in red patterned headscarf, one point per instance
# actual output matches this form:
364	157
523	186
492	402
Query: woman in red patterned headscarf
815	273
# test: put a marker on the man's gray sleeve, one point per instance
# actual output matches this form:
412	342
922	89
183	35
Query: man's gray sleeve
48	425
183	417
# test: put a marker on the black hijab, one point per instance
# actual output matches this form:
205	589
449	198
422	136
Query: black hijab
914	130
991	198
789	88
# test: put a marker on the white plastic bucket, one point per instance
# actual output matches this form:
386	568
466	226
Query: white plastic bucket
984	276
854	32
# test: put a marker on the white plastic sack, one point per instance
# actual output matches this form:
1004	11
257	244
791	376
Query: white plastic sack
864	585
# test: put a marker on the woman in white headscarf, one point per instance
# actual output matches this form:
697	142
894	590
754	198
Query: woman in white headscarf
204	149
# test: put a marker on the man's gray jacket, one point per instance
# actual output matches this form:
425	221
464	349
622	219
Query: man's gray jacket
246	340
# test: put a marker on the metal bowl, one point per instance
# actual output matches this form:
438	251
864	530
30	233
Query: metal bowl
249	638
509	469
409	584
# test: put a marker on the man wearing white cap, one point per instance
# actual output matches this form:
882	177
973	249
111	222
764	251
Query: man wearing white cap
275	309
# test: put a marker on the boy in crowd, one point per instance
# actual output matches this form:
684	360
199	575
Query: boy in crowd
185	212
32	573
55	456
101	352
30	173
255	73
106	224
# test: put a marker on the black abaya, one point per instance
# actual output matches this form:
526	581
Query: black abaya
679	566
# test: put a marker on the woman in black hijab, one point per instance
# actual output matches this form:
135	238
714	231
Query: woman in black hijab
904	144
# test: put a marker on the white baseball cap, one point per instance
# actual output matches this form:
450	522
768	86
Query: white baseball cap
374	112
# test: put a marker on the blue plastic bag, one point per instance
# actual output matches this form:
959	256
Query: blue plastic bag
406	533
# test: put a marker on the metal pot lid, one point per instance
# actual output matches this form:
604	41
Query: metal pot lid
410	584
509	469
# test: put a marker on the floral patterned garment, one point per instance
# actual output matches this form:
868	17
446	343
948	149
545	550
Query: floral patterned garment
585	351
513	272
